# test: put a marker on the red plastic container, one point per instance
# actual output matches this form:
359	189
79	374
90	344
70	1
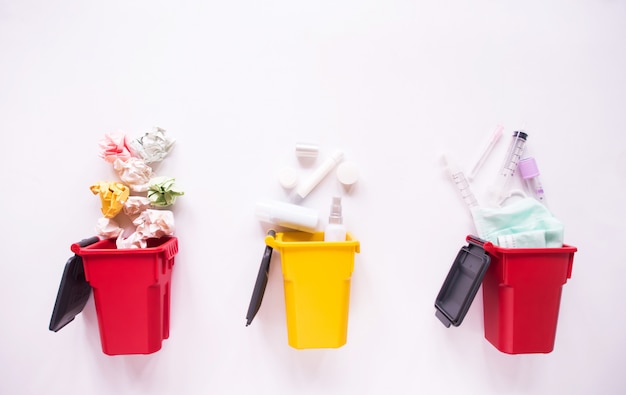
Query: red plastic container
132	293
522	296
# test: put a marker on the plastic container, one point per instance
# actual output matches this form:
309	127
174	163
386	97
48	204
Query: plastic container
131	292
522	295
317	277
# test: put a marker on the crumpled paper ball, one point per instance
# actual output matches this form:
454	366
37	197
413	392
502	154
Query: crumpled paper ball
113	195
153	146
155	223
115	146
150	224
133	172
163	191
108	228
135	205
135	240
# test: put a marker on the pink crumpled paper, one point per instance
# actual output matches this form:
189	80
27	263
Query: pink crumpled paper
115	146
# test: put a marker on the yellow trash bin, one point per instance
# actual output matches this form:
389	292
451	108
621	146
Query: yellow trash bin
317	287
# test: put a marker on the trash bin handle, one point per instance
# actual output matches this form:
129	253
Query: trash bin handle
486	245
270	239
475	240
83	243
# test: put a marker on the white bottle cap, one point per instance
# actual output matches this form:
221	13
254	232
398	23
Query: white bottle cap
347	173
288	177
307	150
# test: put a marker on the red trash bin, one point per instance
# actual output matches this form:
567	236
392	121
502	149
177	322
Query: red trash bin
132	293
522	296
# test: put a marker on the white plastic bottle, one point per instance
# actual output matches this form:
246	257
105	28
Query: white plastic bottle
288	215
335	230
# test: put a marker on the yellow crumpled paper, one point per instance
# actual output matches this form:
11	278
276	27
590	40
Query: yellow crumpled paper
113	196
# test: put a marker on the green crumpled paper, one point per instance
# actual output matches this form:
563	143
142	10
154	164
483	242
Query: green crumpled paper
163	191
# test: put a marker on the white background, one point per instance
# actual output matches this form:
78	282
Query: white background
238	84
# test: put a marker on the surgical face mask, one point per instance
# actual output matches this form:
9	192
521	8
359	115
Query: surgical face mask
523	223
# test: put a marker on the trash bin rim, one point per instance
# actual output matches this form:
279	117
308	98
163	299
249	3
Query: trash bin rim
494	249
169	241
278	242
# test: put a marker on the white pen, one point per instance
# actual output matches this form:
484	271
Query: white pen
318	175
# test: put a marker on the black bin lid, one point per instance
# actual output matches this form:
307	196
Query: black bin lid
74	291
462	282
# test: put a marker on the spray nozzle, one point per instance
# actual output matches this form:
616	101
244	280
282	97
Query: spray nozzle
335	211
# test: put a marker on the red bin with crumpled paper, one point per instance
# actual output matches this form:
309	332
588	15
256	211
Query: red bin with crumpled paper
131	293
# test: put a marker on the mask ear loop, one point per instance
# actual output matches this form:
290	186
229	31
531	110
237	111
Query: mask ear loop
513	193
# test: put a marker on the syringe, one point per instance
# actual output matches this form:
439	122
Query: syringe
461	183
486	151
510	163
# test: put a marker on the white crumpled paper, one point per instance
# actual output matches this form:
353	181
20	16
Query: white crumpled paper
150	224
135	205
108	228
135	240
153	146
134	172
155	223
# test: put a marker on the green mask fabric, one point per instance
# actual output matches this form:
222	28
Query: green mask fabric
523	223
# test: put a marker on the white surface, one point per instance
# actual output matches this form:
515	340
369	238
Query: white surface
238	83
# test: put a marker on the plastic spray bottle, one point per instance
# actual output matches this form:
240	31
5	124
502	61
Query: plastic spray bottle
335	230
